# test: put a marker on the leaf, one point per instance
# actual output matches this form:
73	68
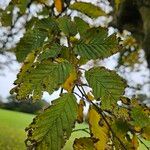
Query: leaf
106	85
80	111
27	65
88	9
120	128
58	5
97	46
22	5
122	113
48	24
32	40
46	76
70	82
51	129
139	118
135	143
51	52
85	143
6	16
146	133
81	25
117	4
90	96
67	26
99	129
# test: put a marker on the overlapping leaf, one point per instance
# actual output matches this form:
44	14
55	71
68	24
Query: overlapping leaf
99	129
67	26
58	5
80	116
117	4
51	129
46	76
48	24
51	52
6	16
96	44
32	40
140	119
88	9
81	25
21	4
85	143
120	128
106	85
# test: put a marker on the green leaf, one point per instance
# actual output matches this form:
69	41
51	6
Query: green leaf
27	66
81	25
106	85
32	40
67	26
48	24
120	128
6	16
97	46
46	76
51	52
21	4
51	129
88	9
139	118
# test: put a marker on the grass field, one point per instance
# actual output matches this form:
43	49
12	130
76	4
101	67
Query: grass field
12	134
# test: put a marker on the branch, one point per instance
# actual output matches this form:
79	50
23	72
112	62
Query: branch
100	111
143	143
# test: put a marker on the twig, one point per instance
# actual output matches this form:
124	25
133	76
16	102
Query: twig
61	91
143	143
100	111
78	95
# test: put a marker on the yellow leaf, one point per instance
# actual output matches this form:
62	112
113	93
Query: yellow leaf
90	96
146	133
137	129
80	111
117	3
59	5
59	60
85	143
99	129
69	83
122	113
130	41
135	143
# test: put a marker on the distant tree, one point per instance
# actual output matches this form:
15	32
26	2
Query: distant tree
24	106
